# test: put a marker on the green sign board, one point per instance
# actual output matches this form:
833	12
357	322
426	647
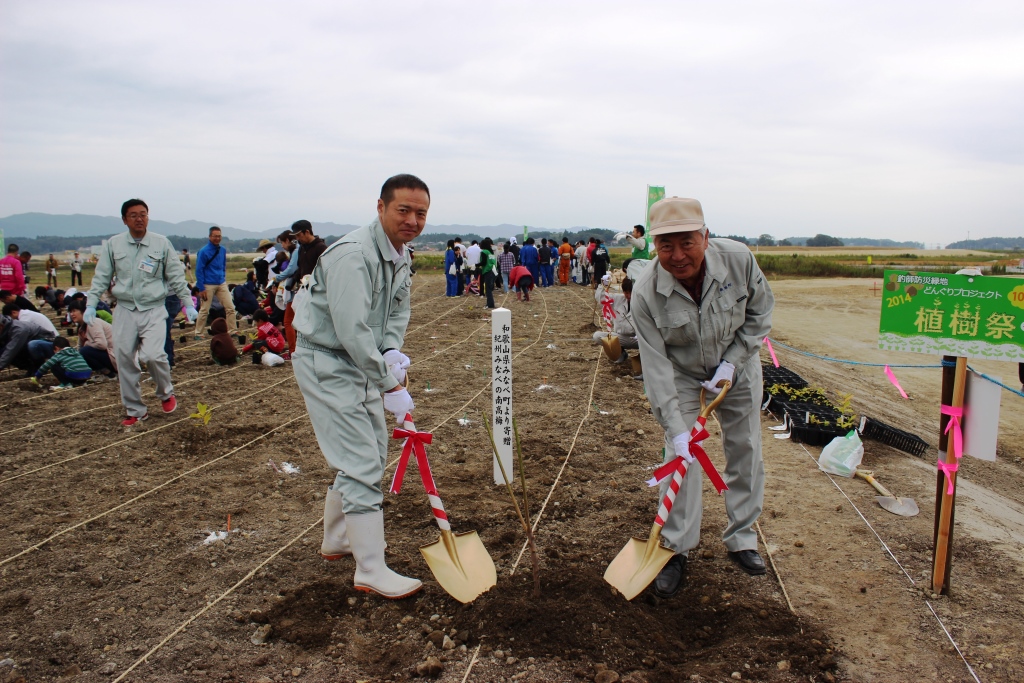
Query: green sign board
655	193
956	315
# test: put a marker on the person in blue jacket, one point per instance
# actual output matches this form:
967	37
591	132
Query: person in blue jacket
211	276
244	296
451	280
529	258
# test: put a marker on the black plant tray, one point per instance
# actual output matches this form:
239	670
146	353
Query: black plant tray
781	375
778	406
813	435
897	438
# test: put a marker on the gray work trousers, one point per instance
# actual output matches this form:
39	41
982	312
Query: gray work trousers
139	337
347	413
740	417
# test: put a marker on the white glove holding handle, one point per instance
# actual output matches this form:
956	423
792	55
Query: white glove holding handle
681	443
398	403
619	236
725	371
397	362
606	278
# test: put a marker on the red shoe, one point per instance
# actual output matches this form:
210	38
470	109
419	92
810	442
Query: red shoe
132	420
170	405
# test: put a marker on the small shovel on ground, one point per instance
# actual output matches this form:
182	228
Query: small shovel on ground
904	507
640	560
459	562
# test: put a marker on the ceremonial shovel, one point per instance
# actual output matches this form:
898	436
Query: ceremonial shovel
640	561
904	507
459	562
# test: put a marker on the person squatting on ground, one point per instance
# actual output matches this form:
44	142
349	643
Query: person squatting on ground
211	281
146	267
622	324
95	341
23	304
67	365
25	344
351	316
701	313
222	345
522	281
267	335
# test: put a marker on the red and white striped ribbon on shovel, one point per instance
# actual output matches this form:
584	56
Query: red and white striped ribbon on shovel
414	443
678	464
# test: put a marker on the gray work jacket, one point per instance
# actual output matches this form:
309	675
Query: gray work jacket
678	338
146	272
355	303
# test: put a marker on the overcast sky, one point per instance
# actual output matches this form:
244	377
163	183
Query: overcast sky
871	119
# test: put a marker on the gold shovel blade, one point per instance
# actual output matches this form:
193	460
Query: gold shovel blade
612	347
637	564
461	564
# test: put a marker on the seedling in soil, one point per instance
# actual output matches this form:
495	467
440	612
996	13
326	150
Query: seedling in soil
202	413
525	521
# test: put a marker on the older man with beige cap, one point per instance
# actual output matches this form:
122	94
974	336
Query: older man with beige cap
700	312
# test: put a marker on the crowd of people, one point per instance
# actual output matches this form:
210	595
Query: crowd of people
481	266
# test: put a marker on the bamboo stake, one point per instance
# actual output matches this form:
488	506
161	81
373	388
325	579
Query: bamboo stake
522	467
526	525
945	502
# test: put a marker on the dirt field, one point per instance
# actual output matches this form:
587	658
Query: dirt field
103	559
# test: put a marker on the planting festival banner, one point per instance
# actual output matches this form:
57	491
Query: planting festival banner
955	315
655	193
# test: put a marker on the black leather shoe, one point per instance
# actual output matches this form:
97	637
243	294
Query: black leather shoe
749	561
671	578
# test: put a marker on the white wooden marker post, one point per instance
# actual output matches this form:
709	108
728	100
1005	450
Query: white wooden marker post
501	388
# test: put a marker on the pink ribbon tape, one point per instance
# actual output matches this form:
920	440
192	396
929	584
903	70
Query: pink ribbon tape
954	424
771	351
948	468
896	383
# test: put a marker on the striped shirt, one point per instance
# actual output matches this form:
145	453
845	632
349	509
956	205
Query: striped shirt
69	359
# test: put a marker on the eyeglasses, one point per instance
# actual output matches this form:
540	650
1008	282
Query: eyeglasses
136	216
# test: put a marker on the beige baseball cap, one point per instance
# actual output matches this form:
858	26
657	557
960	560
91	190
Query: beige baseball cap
676	214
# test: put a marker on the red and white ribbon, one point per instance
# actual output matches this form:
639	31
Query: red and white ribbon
697	436
607	309
414	443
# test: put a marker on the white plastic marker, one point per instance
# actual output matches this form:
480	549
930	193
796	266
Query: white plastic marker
501	388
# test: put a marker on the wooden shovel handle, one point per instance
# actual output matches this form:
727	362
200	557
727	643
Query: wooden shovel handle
706	410
867	476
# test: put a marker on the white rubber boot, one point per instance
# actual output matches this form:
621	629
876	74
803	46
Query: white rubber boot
366	535
335	545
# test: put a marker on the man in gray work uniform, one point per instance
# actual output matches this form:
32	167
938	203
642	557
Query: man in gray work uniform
701	311
147	269
351	314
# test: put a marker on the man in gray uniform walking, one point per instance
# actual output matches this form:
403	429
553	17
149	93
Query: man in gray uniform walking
351	314
147	269
701	311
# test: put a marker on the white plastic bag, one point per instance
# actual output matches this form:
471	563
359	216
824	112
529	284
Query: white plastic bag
271	359
842	455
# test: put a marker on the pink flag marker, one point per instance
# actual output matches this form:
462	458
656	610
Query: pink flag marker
896	383
771	351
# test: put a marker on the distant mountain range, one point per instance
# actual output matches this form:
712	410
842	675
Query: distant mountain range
990	244
35	225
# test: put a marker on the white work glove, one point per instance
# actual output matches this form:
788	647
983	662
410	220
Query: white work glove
681	443
725	370
397	362
605	279
398	403
619	236
191	313
89	317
